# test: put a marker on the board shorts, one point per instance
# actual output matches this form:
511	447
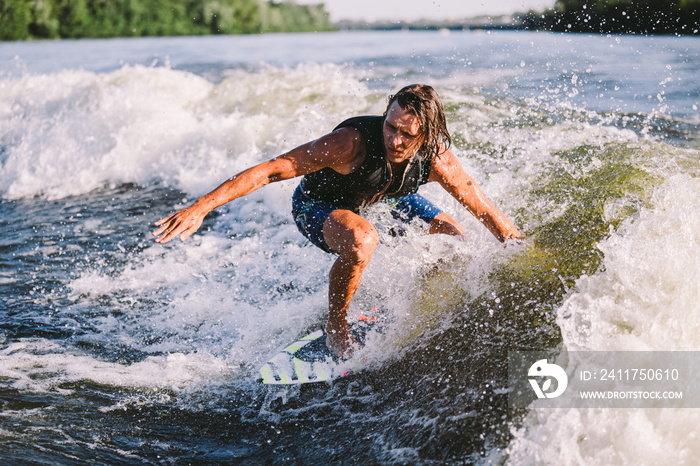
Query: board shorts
310	214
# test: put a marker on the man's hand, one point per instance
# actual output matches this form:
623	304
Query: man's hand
513	234
183	222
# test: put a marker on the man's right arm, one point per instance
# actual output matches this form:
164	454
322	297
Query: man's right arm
341	150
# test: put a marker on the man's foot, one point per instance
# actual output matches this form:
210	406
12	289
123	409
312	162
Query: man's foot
341	344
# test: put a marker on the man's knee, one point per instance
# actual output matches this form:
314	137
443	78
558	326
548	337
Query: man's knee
362	242
350	236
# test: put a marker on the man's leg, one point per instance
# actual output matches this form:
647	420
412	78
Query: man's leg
353	239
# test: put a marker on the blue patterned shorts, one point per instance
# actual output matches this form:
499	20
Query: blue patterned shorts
310	214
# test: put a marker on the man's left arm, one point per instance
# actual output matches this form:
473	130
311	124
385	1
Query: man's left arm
447	171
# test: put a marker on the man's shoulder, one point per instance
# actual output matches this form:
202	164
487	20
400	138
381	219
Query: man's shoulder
366	123
346	147
347	136
369	129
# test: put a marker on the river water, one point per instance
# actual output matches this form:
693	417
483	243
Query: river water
116	350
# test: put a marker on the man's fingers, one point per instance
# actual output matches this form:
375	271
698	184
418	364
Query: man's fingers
167	237
189	229
170	227
164	225
160	230
167	219
182	223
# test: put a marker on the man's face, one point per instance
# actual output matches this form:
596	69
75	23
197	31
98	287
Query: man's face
402	134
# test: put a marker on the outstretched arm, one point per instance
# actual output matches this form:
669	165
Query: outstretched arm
187	221
447	171
339	150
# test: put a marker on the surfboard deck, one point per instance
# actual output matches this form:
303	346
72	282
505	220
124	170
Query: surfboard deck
308	360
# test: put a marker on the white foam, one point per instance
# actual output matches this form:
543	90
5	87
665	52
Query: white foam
647	297
74	131
30	362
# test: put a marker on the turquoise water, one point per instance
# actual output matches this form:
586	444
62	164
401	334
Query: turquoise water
115	350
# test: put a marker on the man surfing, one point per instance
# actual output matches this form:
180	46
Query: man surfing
363	161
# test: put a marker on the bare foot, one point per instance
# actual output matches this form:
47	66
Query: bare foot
341	343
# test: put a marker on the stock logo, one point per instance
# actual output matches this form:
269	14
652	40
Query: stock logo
551	371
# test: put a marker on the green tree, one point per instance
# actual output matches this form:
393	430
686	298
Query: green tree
292	17
155	18
621	16
226	16
106	18
73	18
44	22
21	19
15	17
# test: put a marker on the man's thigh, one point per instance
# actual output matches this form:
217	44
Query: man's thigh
345	231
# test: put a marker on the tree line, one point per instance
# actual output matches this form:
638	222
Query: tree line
49	19
619	17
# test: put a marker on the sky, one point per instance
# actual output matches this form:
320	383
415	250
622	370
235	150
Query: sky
408	10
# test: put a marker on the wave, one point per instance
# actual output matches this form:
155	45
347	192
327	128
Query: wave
643	299
71	132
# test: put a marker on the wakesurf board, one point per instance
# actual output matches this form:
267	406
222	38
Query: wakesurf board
308	360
